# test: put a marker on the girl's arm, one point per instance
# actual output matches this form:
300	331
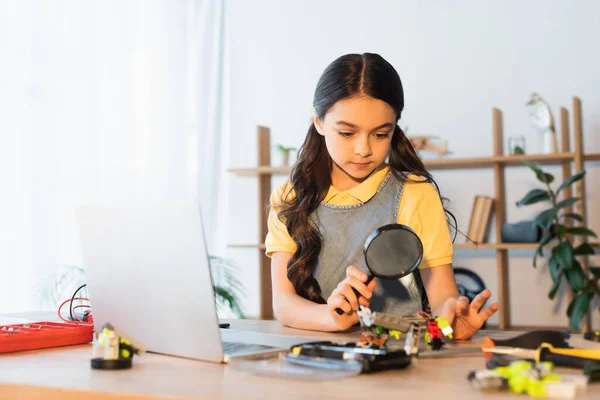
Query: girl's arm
297	312
440	286
466	319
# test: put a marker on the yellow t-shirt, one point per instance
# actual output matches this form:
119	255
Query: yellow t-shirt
420	209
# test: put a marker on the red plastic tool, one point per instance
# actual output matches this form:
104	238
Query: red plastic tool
41	335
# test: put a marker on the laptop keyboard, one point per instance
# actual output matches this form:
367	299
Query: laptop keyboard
231	348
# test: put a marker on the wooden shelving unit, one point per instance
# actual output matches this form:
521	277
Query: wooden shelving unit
498	162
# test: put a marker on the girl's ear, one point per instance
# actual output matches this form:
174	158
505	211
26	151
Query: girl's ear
318	125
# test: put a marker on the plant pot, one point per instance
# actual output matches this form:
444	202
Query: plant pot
286	159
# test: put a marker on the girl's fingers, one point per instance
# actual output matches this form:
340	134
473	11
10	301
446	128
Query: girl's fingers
352	271
363	301
361	287
338	301
489	311
449	310
462	305
372	285
348	293
480	300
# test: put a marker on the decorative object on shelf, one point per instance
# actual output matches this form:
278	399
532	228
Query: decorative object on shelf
521	232
427	143
285	153
480	218
542	119
563	262
516	145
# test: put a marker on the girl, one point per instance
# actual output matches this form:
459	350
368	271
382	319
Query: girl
355	172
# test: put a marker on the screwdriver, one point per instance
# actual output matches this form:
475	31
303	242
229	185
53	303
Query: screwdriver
528	340
531	340
573	358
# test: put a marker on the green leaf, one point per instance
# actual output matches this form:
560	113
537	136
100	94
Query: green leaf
576	278
532	167
545	218
563	253
546	178
561	230
567	202
541	175
581	231
584	249
534	196
555	287
569	181
547	237
555	270
578	307
570	308
573	216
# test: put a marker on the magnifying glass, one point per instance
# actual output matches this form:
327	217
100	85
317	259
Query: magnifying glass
391	252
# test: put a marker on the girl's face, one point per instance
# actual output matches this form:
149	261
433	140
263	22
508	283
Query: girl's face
358	134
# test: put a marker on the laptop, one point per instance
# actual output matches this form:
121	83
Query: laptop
148	274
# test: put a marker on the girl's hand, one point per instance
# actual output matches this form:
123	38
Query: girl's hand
466	319
343	297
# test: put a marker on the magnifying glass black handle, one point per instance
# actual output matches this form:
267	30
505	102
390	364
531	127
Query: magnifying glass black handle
356	292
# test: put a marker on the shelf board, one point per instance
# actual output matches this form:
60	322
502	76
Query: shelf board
248	246
485	162
502	246
265	170
496	246
450	163
591	157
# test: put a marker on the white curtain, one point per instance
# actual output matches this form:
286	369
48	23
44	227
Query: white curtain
206	112
101	101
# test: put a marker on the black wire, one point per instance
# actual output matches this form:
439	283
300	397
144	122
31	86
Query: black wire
72	299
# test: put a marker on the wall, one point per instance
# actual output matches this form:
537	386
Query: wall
457	60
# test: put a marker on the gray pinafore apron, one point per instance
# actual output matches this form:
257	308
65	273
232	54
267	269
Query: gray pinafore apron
344	230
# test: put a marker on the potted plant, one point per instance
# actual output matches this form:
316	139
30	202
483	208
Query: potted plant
285	152
563	262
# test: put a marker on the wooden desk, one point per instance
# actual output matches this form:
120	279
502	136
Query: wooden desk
65	373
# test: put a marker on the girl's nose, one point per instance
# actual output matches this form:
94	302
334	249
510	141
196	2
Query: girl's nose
363	148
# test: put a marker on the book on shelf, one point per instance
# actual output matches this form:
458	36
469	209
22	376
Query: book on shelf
480	218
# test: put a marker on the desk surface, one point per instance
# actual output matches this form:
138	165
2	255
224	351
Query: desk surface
65	373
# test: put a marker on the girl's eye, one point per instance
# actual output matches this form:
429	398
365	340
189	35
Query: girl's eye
382	135
346	134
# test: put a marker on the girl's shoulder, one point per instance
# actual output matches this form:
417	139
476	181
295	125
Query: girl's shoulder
417	187
282	193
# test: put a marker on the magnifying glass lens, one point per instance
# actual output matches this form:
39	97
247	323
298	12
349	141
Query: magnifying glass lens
394	253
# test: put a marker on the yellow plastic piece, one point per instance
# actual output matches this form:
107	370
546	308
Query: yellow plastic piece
394	333
444	326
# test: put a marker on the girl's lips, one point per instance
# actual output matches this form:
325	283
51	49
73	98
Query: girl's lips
361	165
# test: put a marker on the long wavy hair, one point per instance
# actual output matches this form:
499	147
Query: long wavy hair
348	76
